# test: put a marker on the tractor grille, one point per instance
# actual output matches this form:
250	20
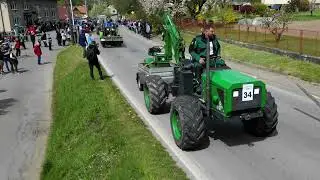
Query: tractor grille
238	104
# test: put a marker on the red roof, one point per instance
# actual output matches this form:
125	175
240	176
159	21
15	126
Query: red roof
81	9
62	13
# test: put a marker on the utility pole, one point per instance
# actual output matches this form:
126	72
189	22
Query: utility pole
70	13
71	9
85	3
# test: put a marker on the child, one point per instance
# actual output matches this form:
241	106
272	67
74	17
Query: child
64	38
50	42
13	61
38	52
17	47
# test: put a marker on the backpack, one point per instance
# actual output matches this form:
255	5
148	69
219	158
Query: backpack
90	53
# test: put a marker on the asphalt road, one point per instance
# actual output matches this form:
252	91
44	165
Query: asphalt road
292	153
25	115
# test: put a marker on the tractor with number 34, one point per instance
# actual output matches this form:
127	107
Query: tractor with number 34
166	76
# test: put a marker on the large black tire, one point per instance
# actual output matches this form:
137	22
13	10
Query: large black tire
155	88
192	125
266	125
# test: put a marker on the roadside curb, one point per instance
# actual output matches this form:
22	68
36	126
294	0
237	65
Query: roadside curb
191	168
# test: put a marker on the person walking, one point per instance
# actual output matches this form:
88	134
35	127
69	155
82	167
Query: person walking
50	42
6	55
64	38
59	37
33	38
37	51
22	40
92	57
13	61
17	47
83	42
44	39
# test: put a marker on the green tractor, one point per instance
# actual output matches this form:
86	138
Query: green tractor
226	94
109	36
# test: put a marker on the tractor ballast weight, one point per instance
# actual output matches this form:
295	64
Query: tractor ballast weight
225	94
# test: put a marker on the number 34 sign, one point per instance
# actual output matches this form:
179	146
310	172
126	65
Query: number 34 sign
247	92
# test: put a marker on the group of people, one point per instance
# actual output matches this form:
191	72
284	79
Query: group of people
140	27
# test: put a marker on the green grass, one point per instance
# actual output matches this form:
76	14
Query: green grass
310	46
306	16
95	133
303	70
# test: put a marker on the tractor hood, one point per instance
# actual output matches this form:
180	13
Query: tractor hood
235	91
230	79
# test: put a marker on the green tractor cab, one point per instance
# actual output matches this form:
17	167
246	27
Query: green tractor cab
222	94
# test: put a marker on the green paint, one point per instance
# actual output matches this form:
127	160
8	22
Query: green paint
228	81
176	126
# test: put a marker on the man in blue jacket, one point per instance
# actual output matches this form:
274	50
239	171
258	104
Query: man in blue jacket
83	42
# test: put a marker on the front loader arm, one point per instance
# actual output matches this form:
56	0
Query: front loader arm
174	43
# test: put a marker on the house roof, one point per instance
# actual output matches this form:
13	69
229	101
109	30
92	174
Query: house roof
62	12
81	9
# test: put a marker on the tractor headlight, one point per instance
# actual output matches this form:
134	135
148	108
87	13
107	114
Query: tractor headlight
235	93
256	91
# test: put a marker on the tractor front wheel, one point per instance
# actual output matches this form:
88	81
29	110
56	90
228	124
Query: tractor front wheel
266	125
155	94
187	122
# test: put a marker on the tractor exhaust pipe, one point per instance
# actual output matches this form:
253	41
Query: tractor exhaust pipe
208	78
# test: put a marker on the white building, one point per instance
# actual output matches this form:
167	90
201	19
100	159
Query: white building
5	25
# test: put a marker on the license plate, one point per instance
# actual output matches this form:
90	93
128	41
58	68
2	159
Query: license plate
247	92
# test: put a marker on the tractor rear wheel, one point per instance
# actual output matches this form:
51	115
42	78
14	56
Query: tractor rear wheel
187	122
266	125
155	94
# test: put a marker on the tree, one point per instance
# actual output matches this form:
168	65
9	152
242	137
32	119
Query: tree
277	21
194	7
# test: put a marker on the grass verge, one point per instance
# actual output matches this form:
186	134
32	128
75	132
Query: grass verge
306	16
95	134
303	70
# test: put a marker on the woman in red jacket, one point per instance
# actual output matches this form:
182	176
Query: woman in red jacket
37	52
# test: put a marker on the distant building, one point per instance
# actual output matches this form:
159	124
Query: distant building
79	11
26	12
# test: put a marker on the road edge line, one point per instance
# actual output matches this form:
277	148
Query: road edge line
192	170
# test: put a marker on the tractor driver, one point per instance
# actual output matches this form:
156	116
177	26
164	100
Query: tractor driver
198	50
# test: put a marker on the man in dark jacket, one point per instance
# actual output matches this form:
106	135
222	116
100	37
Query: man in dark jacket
198	50
92	56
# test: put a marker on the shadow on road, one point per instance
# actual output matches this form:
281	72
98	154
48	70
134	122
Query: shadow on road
233	134
5	104
3	90
23	70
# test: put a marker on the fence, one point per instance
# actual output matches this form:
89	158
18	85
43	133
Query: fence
300	41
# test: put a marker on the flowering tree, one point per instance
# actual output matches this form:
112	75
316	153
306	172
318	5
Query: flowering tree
277	21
